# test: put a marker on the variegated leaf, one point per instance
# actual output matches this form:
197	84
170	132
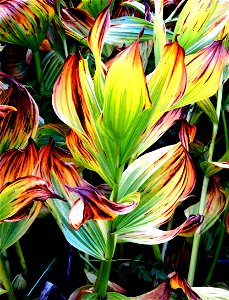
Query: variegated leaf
77	23
192	21
24	22
155	132
17	197
164	177
167	84
95	7
96	41
204	71
16	163
19	125
211	293
123	105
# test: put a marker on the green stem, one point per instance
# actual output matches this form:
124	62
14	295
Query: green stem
157	252
39	71
218	249
21	257
104	272
197	235
5	279
225	130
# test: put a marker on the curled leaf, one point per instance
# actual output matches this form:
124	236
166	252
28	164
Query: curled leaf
5	110
91	204
17	197
18	126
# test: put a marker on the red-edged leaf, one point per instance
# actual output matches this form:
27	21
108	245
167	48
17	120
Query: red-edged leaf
187	134
55	160
150	235
17	197
91	204
17	126
16	163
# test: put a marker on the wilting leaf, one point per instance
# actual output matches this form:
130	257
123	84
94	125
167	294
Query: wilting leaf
150	235
16	198
24	22
204	71
16	163
216	203
17	126
91	204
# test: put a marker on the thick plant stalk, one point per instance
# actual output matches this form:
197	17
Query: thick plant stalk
39	71
5	279
104	271
197	235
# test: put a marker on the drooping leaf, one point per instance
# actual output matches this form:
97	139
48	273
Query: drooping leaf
162	292
19	125
17	197
150	235
91	204
216	203
204	71
24	22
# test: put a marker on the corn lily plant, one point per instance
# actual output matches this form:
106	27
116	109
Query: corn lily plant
112	116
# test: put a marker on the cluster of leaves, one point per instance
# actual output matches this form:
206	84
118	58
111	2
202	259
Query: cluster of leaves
120	76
